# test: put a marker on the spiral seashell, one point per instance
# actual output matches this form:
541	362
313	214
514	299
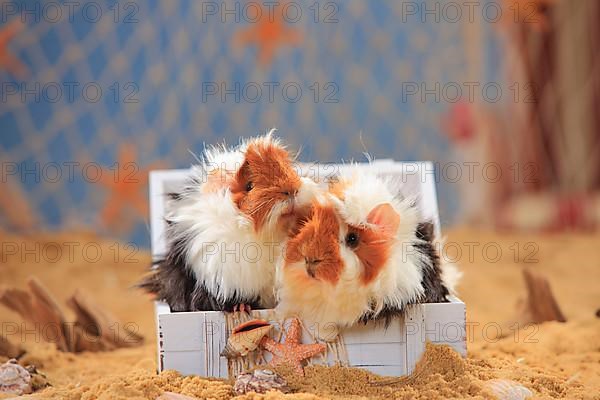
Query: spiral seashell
245	338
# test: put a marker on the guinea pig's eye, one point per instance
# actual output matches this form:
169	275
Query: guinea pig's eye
352	240
249	186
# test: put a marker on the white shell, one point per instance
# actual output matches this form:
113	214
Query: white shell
14	379
259	381
505	389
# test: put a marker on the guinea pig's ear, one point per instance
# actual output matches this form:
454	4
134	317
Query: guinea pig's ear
385	217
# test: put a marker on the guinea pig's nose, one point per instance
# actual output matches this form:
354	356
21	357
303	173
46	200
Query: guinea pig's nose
290	193
312	261
311	266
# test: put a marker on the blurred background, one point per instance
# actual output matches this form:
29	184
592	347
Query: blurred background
504	97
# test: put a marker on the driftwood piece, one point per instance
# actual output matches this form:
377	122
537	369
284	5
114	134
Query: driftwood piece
540	304
40	308
95	322
94	329
9	350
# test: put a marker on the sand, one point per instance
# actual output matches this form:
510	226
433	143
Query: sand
553	360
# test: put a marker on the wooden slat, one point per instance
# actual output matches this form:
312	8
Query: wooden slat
415	343
206	361
183	331
445	324
374	332
185	362
375	354
216	338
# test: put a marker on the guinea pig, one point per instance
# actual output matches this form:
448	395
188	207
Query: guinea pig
226	227
361	254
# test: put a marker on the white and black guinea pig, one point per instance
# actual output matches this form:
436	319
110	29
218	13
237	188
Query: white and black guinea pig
226	228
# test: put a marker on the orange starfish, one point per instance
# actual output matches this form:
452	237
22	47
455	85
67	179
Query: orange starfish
7	60
268	33
291	351
127	187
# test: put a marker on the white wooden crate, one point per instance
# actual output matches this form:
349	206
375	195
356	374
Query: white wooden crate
191	342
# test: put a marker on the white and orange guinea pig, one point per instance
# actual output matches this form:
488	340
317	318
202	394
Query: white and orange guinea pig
360	255
225	229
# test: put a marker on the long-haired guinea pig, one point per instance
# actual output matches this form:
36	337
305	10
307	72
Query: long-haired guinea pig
361	254
225	229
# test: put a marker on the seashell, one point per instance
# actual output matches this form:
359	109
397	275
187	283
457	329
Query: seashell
505	389
245	338
259	381
14	379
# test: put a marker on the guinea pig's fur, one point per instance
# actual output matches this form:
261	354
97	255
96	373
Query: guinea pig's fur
361	254
225	229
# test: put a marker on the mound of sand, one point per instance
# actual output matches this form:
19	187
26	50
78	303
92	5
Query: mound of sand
553	360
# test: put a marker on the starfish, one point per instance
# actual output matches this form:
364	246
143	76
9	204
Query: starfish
267	34
7	60
126	185
291	351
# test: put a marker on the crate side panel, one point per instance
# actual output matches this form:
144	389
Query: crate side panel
376	354
183	331
185	362
445	324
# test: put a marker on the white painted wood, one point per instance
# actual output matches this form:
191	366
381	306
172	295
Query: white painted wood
373	354
185	362
159	309
414	320
375	332
445	324
160	184
194	341
191	342
183	331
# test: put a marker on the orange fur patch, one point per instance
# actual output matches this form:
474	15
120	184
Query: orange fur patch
318	240
373	250
269	168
